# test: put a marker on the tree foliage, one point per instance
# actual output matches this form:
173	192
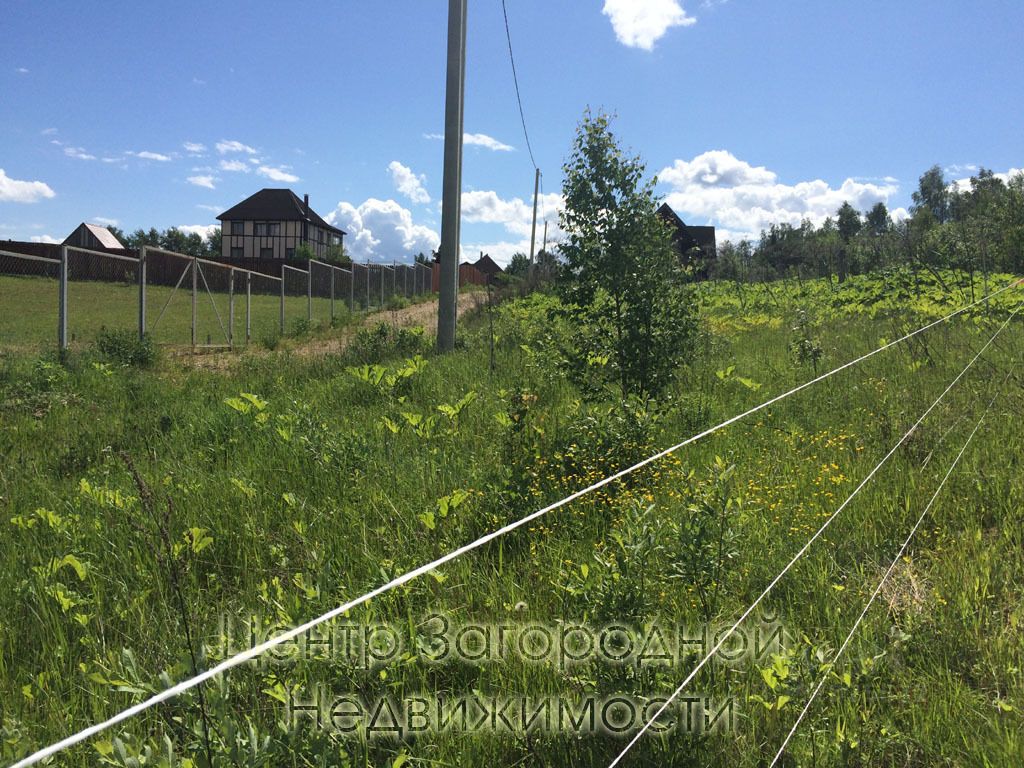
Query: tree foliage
621	277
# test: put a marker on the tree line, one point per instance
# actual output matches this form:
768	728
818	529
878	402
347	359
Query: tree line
973	227
172	239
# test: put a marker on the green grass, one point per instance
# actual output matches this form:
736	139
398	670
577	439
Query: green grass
29	319
319	488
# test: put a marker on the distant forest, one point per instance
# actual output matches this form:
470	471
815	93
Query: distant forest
971	227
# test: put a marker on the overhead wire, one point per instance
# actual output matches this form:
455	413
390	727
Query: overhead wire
800	553
515	80
892	566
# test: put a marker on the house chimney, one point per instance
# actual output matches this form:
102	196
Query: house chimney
305	205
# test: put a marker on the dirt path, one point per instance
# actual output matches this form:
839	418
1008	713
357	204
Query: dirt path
423	314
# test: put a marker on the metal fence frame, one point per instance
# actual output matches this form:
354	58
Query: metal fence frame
419	275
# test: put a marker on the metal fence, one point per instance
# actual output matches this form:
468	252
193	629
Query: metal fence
182	300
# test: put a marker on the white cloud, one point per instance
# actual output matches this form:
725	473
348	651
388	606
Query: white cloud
743	199
276	174
77	152
210	208
203	230
147	155
477	140
194	147
485	141
408	183
45	239
15	191
104	221
203	181
382	230
21	71
234	165
516	215
223	147
48	131
641	23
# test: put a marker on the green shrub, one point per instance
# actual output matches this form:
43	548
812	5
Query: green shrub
270	340
124	346
396	303
383	341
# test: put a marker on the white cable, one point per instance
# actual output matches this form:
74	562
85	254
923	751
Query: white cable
805	547
885	578
398	581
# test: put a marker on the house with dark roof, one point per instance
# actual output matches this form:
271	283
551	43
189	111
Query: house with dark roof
488	267
272	224
696	246
94	238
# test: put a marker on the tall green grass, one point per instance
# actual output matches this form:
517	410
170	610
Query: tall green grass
296	484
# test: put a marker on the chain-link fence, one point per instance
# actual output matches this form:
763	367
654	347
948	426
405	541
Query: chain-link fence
29	300
295	300
168	297
102	294
73	294
263	317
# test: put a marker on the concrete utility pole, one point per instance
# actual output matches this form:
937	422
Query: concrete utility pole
451	210
533	232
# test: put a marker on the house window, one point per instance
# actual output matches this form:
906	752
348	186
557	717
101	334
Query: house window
314	235
266	253
289	253
267	229
237	227
237	253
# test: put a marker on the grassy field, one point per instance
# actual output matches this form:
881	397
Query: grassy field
283	486
29	316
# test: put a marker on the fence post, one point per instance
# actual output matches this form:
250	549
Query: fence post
231	308
367	287
142	292
309	292
352	288
62	301
195	297
248	307
283	273
332	295
382	268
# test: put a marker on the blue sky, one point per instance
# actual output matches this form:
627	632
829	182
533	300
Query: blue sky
164	114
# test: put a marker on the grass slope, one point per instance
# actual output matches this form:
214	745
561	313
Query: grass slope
288	485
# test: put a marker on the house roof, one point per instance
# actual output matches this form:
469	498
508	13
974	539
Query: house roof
275	205
104	236
686	236
488	266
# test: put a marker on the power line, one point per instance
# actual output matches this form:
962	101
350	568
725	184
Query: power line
885	578
725	636
515	79
257	650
